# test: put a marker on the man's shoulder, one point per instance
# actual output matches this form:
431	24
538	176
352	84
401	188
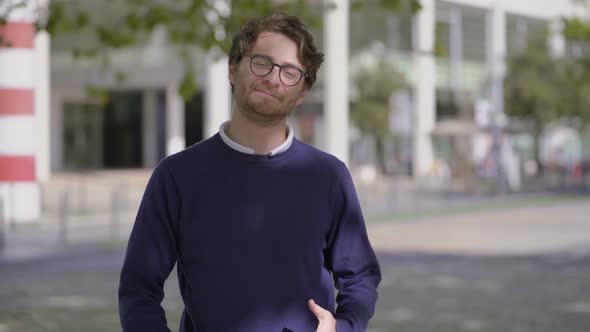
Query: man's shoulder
191	157
320	158
324	166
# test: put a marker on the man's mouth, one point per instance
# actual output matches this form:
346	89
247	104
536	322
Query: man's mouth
266	93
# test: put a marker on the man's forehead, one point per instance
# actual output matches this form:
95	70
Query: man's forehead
268	34
266	44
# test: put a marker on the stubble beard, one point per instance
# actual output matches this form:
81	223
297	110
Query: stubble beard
262	118
259	113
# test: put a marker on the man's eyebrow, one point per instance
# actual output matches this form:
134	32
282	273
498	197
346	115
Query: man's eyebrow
282	64
291	64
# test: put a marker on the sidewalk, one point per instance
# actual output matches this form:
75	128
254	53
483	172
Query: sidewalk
561	226
49	239
502	225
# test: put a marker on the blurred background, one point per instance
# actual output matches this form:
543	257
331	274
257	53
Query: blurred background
463	122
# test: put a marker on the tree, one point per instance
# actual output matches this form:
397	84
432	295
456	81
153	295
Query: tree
370	111
190	24
575	72
542	88
530	88
205	24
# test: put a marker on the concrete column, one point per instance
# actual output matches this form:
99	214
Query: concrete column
175	140
217	94
424	89
496	54
149	126
19	190
456	51
556	38
336	18
42	106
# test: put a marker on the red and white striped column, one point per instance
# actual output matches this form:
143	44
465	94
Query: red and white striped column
19	189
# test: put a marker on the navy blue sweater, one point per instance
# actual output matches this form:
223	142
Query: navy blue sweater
254	237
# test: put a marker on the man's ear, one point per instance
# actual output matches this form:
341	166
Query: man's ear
302	96
231	74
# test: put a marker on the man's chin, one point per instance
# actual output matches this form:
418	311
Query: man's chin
270	114
264	114
264	109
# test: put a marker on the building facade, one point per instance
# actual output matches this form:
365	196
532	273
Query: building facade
71	114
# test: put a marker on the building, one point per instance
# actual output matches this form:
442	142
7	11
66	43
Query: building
54	118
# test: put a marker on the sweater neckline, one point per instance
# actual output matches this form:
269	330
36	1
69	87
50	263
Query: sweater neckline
259	158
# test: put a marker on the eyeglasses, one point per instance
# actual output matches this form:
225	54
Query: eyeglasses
262	65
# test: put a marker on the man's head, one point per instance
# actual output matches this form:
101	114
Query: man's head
284	24
272	65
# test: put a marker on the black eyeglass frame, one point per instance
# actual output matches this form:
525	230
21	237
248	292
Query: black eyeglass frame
253	56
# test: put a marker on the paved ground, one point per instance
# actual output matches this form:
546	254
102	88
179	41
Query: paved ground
441	293
533	228
517	268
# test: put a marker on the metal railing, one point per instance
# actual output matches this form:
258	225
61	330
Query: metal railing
111	221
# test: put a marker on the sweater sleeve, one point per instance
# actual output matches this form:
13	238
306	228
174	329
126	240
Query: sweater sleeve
353	262
150	256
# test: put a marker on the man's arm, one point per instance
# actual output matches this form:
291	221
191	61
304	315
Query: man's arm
151	254
352	260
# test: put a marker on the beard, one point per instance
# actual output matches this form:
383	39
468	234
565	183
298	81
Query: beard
264	113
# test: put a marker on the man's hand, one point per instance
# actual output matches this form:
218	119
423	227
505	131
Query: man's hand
326	322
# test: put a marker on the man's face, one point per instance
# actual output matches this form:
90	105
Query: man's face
266	100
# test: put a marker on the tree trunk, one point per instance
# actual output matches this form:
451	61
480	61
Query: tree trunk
537	131
380	151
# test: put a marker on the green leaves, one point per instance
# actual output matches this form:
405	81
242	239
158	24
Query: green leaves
114	38
97	95
529	86
542	89
125	23
82	19
188	86
394	6
158	14
576	29
134	21
370	112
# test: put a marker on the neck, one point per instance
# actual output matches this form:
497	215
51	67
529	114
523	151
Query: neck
261	139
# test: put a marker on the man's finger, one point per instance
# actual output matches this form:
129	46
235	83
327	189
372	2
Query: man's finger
318	311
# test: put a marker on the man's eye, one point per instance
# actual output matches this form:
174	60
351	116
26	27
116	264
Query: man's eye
262	64
290	72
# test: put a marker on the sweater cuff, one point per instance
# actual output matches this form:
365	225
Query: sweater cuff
343	325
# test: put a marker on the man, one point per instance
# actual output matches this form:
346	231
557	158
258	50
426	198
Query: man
260	225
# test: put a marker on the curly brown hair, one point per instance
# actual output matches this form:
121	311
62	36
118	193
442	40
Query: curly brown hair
285	24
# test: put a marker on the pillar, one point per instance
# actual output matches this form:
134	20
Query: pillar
19	190
175	139
456	51
336	97
424	88
496	54
556	38
217	94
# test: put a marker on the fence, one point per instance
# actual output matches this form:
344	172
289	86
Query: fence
80	210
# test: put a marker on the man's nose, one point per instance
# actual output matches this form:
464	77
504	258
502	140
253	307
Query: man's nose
274	75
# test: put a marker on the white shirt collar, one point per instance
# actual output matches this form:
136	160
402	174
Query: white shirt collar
244	149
